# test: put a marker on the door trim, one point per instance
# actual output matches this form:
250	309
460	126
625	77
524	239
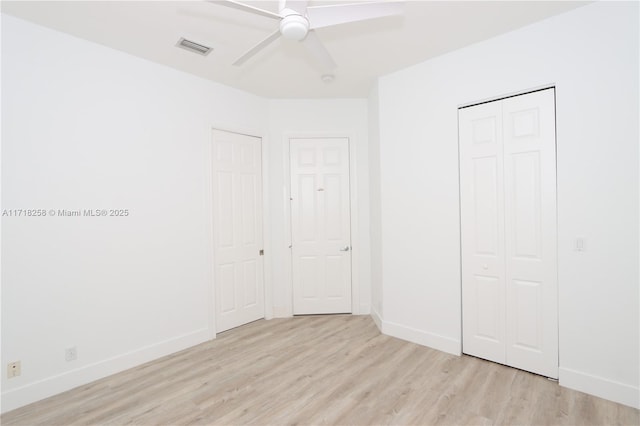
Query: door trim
353	189
508	95
208	203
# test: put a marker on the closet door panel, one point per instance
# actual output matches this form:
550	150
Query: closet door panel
482	222
531	232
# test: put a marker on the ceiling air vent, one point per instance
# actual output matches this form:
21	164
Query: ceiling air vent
192	46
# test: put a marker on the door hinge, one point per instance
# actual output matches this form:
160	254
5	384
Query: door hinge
262	252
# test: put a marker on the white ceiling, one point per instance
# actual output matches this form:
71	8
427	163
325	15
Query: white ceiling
362	50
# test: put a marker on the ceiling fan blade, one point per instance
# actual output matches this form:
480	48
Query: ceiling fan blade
246	8
255	49
326	16
299	6
319	52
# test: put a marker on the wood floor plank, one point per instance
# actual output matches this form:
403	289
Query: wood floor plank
320	370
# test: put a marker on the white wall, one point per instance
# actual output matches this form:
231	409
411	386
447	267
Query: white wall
309	117
591	56
375	206
87	127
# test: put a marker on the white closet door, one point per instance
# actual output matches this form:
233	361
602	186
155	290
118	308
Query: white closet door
508	219
320	225
237	227
483	259
530	224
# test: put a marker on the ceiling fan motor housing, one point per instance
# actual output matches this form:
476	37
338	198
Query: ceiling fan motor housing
294	26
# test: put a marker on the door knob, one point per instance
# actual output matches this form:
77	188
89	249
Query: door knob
345	248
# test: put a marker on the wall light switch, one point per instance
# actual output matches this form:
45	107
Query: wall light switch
581	244
71	354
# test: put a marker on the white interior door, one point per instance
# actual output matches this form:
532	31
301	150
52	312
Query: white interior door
509	253
237	226
482	222
531	229
320	225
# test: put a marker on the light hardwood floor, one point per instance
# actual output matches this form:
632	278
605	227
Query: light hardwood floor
320	370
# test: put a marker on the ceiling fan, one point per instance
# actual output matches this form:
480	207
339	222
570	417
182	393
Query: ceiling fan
298	22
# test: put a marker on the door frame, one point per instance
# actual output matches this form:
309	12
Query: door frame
208	203
557	242
353	205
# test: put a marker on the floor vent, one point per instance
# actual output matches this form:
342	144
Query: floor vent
192	46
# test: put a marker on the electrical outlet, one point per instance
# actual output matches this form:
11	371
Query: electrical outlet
14	369
71	354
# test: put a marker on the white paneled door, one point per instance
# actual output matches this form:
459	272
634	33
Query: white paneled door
237	229
508	219
320	225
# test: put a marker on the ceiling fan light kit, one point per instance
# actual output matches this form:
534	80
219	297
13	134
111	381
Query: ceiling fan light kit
294	27
299	21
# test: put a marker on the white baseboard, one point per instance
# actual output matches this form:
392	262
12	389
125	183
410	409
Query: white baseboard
599	386
50	386
376	318
281	312
424	338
